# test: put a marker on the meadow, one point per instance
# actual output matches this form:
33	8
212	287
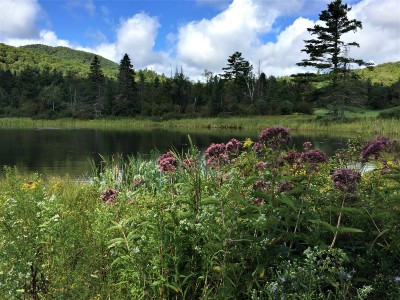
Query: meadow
246	220
364	122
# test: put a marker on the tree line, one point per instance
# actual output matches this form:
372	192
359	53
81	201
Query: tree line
43	92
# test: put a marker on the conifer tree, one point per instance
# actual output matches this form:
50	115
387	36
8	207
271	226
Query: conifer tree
96	78
127	103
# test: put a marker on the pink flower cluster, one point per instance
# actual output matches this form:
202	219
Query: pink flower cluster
218	154
375	147
109	196
346	180
167	162
275	136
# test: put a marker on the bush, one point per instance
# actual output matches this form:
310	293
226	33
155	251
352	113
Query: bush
393	113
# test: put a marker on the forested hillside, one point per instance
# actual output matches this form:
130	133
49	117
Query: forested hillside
385	74
66	60
52	82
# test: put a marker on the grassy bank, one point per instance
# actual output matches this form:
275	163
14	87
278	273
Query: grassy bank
247	221
299	123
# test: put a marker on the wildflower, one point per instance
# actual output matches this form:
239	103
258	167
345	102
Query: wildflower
258	201
375	147
233	146
109	196
247	143
285	186
307	145
216	155
138	182
314	157
257	147
275	136
260	165
292	156
188	164
261	185
167	162
29	185
397	278
346	180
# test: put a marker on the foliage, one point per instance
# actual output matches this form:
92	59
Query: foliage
250	220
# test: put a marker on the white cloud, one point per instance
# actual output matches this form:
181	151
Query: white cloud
136	36
206	44
280	58
242	25
18	18
45	37
380	37
88	5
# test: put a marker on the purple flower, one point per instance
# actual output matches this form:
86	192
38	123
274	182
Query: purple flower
292	156
167	162
285	186
261	185
188	164
257	147
109	196
275	136
375	147
314	157
138	182
233	146
307	145
260	165
216	155
346	180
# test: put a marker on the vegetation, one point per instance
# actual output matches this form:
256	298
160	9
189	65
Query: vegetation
362	122
249	220
43	82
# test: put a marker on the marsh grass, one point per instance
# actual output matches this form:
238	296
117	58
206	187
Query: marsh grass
298	123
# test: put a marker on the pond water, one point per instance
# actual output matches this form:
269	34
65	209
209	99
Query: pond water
67	151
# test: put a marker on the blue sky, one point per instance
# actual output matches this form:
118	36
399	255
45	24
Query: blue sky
196	35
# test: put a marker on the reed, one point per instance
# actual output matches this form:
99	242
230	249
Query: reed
298	123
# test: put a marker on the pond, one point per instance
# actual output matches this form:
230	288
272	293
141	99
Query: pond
67	151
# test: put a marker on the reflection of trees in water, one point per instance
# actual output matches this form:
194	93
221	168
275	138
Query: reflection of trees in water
67	151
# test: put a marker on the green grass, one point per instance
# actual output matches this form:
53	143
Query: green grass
362	121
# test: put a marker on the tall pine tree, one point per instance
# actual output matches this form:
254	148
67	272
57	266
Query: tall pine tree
96	78
127	103
330	54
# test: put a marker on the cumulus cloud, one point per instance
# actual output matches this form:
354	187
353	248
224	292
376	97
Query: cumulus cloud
18	18
206	44
240	25
380	37
45	37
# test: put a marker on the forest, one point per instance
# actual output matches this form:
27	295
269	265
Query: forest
56	82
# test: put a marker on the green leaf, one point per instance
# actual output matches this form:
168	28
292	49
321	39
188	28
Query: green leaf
349	230
210	201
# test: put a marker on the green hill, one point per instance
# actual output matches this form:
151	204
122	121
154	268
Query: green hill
386	74
60	58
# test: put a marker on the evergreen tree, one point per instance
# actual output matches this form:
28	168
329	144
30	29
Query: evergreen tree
96	78
329	53
127	103
239	71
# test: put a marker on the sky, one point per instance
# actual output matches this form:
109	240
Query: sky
197	35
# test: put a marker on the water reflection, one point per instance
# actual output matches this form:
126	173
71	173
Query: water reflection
68	151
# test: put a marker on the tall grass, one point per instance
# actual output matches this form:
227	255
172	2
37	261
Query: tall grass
298	123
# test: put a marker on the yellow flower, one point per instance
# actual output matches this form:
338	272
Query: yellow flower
247	143
29	185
